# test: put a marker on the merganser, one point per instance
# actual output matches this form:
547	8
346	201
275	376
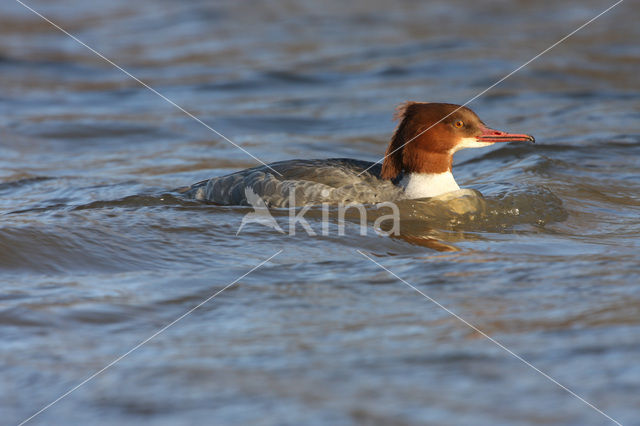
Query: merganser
417	164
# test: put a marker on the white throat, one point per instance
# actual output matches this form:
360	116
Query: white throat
422	185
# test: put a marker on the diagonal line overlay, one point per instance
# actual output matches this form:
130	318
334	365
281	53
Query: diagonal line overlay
495	84
100	55
115	361
497	343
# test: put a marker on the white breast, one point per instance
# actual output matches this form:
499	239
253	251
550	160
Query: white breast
422	185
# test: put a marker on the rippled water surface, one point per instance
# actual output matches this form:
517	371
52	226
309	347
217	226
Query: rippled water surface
97	251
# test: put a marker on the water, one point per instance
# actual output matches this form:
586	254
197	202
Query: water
97	253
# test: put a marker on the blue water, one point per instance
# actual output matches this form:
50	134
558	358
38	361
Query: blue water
97	253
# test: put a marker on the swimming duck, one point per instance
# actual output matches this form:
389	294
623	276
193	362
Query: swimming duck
417	164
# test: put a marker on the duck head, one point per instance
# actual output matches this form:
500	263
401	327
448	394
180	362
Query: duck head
430	133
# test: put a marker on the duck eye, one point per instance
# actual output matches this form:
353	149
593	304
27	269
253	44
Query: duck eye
459	124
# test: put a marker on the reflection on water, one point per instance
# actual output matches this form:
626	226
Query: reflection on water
97	252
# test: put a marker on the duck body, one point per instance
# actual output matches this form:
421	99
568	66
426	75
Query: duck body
417	164
301	182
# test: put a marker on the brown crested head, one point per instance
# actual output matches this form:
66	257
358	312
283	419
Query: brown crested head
428	135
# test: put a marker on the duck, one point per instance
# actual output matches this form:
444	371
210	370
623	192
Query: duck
417	164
